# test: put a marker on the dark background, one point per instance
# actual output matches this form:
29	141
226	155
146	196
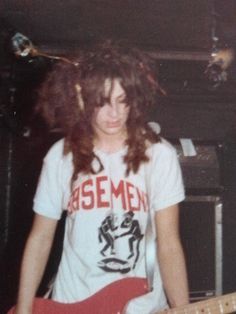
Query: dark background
181	34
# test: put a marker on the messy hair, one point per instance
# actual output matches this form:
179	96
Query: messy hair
70	93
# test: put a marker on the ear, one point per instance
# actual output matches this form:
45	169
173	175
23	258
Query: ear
79	97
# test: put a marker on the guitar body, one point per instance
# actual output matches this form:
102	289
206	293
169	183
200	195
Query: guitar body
109	300
113	298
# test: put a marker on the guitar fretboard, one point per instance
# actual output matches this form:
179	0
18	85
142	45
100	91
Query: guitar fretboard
218	305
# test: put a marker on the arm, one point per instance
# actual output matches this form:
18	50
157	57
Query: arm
171	257
35	257
130	231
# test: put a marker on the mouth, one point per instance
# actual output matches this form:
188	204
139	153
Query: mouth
113	124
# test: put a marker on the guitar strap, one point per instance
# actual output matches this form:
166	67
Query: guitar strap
48	293
150	237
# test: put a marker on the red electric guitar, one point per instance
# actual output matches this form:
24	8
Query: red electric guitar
109	300
113	298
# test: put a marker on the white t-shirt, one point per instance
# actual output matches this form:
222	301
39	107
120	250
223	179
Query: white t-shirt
106	220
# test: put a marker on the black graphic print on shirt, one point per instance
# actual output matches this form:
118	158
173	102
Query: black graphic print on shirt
129	230
106	233
119	235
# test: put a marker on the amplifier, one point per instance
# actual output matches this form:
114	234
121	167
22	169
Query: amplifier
201	234
201	171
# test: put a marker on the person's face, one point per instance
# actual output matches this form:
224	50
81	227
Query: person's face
111	118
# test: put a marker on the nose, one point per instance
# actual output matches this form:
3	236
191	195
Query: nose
113	110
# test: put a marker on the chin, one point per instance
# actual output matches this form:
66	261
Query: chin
114	131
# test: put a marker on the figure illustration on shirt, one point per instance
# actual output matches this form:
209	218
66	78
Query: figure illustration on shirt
132	235
106	233
134	231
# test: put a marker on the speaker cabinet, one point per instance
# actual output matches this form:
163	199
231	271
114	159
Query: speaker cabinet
201	233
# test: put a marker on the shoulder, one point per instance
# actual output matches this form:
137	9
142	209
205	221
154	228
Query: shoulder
56	152
163	149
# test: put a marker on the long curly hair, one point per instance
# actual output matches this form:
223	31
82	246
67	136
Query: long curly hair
70	93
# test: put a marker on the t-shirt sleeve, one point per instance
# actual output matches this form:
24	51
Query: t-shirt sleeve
167	187
48	199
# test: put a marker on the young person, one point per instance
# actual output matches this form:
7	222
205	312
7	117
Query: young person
108	172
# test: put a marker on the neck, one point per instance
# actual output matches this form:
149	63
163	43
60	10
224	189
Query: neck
110	143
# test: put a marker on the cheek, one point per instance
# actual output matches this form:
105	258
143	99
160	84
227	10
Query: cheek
98	115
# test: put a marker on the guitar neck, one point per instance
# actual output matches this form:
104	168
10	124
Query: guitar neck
218	305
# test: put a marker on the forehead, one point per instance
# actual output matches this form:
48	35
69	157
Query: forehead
113	88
